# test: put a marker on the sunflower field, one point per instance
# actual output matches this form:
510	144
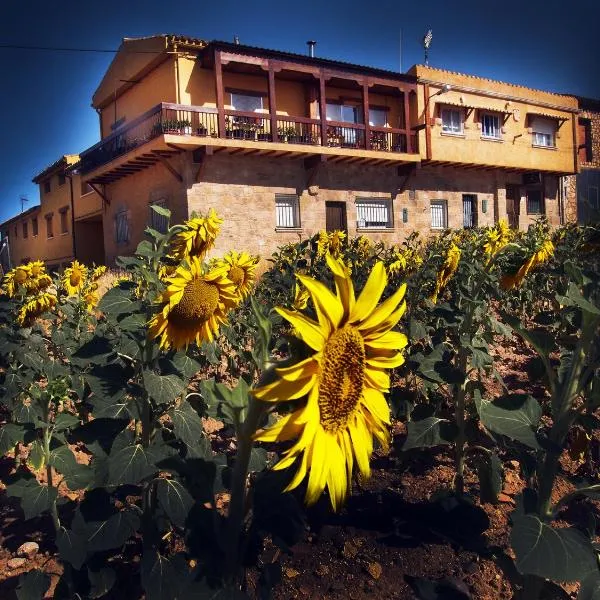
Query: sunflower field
344	420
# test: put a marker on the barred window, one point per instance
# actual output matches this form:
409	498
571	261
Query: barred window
158	222
374	213
122	227
287	210
439	214
534	202
34	227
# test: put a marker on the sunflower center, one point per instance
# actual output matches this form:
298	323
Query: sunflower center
20	276
237	275
199	301
74	279
342	377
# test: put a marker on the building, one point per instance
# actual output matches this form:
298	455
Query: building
66	224
283	145
583	189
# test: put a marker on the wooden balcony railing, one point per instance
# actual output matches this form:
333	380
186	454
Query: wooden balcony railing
177	119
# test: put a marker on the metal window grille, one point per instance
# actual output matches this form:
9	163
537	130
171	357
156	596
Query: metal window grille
469	210
122	227
534	202
451	120
439	215
374	214
158	222
287	210
490	126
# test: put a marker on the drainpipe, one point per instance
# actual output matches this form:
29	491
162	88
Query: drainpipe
70	176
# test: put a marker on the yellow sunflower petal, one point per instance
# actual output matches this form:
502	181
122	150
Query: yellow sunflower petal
308	330
369	297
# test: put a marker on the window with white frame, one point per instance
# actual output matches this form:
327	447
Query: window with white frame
490	126
246	102
378	117
157	221
287	211
543	132
452	120
374	213
344	113
121	227
439	214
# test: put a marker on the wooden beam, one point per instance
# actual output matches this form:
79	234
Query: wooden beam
219	92
323	109
169	167
365	99
427	123
104	198
273	105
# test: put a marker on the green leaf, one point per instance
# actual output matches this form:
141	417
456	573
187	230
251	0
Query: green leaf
72	547
35	498
416	329
65	421
108	534
130	464
27	413
427	433
575	298
161	210
209	351
187	426
134	322
10	434
159	578
37	457
102	581
564	554
163	389
117	301
516	416
540	339
480	358
97	350
33	585
258	459
145	249
261	352
77	476
489	470
174	499
590	587
187	366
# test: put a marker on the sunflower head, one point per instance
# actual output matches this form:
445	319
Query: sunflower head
447	271
15	279
336	240
322	244
74	278
341	384
98	272
35	307
194	305
240	270
197	238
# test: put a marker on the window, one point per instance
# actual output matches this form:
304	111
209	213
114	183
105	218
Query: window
49	227
158	222
469	210
47	186
534	202
63	220
287	211
34	227
585	152
344	113
378	117
452	120
61	179
246	102
490	126
25	229
544	132
439	214
374	213
121	227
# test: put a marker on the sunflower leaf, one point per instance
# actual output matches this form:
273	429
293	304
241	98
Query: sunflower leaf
174	499
10	434
35	498
163	389
71	547
427	433
33	585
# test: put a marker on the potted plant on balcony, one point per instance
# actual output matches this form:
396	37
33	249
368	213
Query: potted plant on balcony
185	127
334	138
170	126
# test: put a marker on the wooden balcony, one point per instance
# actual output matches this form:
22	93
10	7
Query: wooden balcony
192	127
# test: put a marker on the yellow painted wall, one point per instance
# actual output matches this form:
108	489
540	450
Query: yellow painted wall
515	148
157	86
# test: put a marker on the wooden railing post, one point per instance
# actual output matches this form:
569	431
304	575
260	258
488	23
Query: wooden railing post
220	91
407	121
272	105
365	99
322	109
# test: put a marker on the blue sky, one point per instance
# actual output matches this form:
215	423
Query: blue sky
45	105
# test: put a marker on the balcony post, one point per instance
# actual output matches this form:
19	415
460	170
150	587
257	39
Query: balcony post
272	105
219	92
322	109
407	121
365	99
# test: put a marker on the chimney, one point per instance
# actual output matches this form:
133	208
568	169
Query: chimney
311	48
236	40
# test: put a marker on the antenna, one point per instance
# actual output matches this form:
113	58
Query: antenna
23	199
426	43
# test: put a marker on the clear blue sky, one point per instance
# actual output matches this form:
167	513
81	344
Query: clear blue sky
45	95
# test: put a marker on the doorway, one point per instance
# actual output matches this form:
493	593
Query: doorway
469	211
335	216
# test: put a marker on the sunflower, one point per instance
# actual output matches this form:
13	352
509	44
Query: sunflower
322	244
197	238
35	307
240	269
195	304
74	278
37	268
336	239
15	279
343	382
301	296
542	255
98	272
496	238
90	298
448	269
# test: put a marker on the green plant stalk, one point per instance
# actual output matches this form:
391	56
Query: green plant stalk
237	504
53	509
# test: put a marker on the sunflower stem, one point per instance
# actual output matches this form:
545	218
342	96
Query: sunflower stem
237	505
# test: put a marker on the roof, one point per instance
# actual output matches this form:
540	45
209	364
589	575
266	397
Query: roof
471	106
66	160
306	59
25	213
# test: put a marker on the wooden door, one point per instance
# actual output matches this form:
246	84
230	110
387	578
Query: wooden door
335	216
513	205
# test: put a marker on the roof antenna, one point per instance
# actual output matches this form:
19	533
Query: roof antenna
426	43
311	48
23	199
236	40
